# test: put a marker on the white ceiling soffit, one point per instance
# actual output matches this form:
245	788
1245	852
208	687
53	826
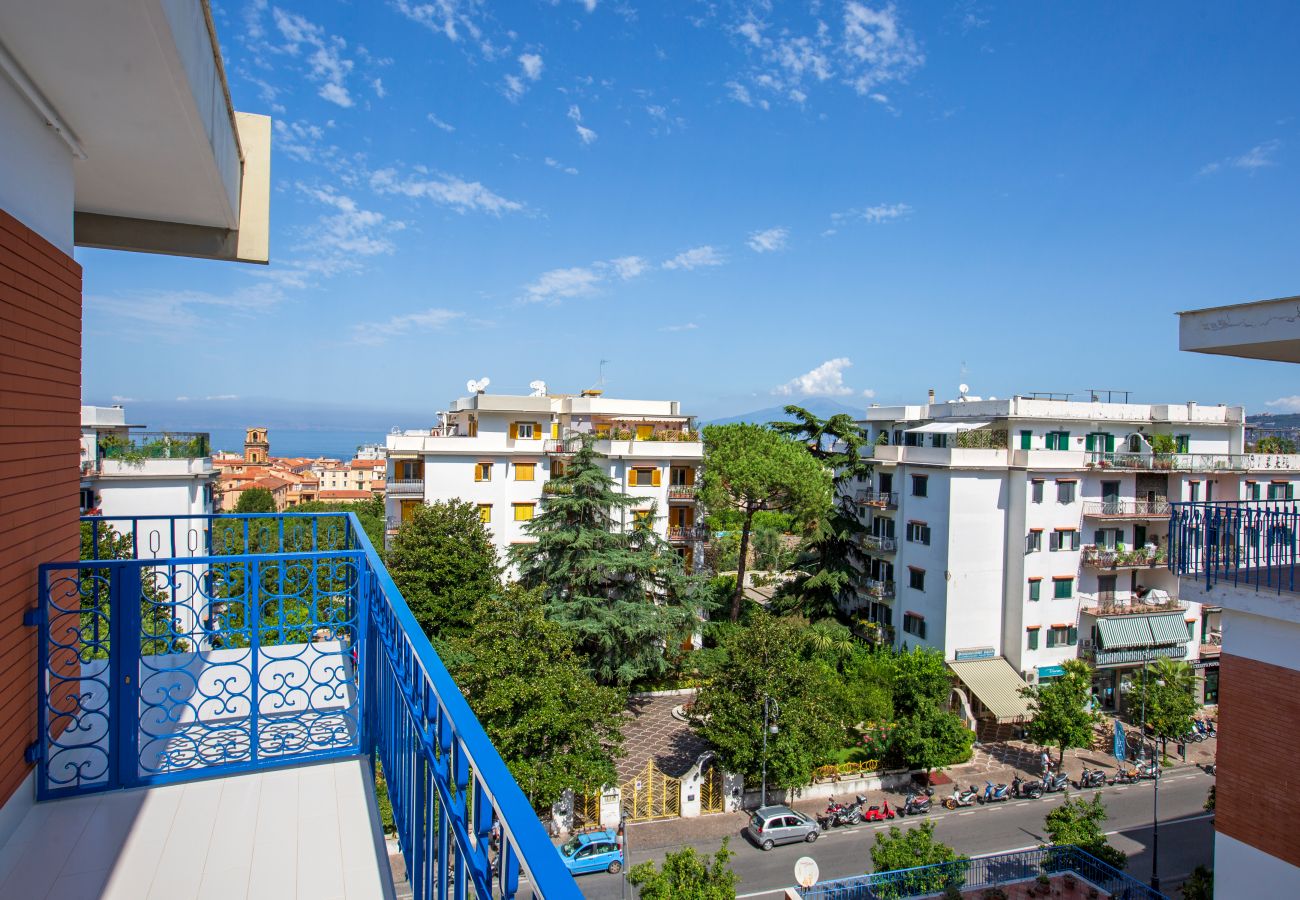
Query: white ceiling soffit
946	427
138	83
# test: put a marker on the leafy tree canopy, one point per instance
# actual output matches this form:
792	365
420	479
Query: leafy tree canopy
921	678
930	737
444	563
554	727
687	876
754	469
1166	697
1078	821
255	500
619	590
898	849
370	513
1061	717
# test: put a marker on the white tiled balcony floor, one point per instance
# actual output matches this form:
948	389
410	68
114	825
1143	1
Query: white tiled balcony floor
309	831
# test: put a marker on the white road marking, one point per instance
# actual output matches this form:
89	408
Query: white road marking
971	813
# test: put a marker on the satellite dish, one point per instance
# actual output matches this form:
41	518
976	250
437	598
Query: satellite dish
963	389
806	871
479	386
483	383
539	388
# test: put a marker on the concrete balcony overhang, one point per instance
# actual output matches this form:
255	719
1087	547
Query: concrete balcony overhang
136	90
1264	329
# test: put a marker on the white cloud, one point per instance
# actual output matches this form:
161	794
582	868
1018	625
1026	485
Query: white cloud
695	258
685	326
586	134
378	85
589	5
182	399
446	190
118	398
445	17
583	281
627	267
222	397
868	393
1258	157
176	316
351	231
881	212
1286	404
556	164
768	240
324	55
827	380
514	87
531	64
440	123
432	319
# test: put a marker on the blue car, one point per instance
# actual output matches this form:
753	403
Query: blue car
592	851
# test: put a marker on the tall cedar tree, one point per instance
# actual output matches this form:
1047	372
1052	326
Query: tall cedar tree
444	563
1061	717
619	591
829	556
752	468
553	726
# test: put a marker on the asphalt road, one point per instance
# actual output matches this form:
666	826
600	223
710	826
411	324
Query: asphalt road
1186	838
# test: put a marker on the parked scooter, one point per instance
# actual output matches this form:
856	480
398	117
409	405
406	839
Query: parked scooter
1148	769
994	793
916	804
961	798
835	814
1126	776
1206	727
878	813
1055	782
1027	790
1091	778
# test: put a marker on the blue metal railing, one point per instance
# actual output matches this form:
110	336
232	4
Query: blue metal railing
985	872
464	826
1243	543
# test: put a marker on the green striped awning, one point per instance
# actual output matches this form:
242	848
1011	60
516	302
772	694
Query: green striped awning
1123	632
1168	629
997	686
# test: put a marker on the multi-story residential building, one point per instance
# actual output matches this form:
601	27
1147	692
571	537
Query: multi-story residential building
1238	552
128	472
354	475
500	451
1036	529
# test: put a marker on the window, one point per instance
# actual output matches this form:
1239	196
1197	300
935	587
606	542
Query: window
523	511
1062	636
1191	629
920	485
485	512
1280	490
918	532
1034	541
1193	491
524	431
1032	634
482	471
643	477
1252	490
87	499
1035	588
525	471
1026	440
1062	588
1183	443
1058	440
916	579
681	476
1036	490
914	624
1065	491
641	518
557	468
1064	539
1108	538
1096	441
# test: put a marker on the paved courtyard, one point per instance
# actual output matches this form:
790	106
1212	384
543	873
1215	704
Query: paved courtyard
653	733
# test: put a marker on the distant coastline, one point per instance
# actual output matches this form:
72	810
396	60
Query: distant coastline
338	444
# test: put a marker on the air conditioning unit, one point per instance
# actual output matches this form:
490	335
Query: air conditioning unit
1031	677
1086	644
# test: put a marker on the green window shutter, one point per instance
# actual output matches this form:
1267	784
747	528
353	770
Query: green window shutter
1073	636
1026	439
1110	443
1090	442
1033	639
1063	442
1191	631
1035	589
1051	440
1051	637
1290	491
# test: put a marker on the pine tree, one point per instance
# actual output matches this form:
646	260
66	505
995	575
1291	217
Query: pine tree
619	591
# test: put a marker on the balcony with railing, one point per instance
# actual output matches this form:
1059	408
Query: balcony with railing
405	487
685	534
983	875
1195	462
1127	509
878	499
151	453
874	587
261	665
682	492
1236	544
879	543
1116	558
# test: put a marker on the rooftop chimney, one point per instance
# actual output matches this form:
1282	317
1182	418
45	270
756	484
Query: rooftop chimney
931	395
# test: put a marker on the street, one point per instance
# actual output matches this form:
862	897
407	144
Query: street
1186	838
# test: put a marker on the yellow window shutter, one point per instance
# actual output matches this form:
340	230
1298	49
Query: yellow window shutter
643	432
654	478
690	475
537	431
555	431
514	430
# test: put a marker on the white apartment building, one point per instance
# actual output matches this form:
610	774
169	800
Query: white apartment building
500	451
359	474
1036	530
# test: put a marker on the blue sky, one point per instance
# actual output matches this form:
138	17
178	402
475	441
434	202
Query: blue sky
733	203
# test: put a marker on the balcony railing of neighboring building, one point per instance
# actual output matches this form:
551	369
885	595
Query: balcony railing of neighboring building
1131	655
879	543
684	533
1196	462
1114	558
874	587
273	640
1246	543
1127	509
980	873
878	499
142	445
1109	606
405	487
681	492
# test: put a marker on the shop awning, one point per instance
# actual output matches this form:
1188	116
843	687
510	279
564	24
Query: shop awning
945	427
997	686
1123	632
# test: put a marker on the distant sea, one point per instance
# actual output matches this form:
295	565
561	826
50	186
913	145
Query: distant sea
301	442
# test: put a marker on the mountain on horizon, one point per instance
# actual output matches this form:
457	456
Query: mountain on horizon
825	407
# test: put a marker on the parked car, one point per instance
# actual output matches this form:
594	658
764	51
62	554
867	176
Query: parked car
592	851
772	825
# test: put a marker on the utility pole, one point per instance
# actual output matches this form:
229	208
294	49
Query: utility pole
1155	791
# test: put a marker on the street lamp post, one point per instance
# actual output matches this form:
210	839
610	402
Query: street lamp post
1155	791
775	709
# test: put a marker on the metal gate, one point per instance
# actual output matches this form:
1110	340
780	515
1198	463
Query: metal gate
712	799
652	795
174	669
586	809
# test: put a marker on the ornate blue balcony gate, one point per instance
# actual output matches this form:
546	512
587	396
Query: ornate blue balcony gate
190	647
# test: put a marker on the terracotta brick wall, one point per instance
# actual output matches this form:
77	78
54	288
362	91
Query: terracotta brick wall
1258	796
40	426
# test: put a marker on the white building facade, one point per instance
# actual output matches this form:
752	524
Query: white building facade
1037	529
500	451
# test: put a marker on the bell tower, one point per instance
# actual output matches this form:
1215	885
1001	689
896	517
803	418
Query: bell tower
257	447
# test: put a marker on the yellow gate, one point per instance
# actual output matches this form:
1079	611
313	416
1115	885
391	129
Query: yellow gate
712	800
586	809
652	795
